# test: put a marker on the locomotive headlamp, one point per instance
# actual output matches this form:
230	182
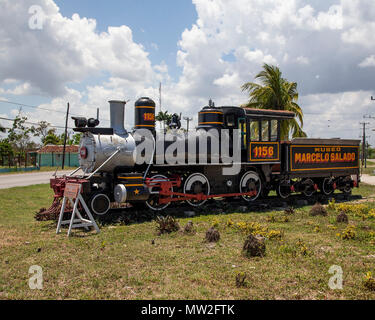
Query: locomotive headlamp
83	152
92	123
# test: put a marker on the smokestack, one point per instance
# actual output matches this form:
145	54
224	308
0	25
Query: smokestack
117	110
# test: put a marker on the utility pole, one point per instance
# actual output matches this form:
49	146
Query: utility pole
187	119
364	151
66	132
160	96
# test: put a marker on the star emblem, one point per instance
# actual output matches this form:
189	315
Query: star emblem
136	192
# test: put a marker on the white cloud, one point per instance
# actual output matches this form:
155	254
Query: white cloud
302	60
228	80
368	62
343	110
65	50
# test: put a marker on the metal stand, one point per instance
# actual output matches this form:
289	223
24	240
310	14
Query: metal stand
73	194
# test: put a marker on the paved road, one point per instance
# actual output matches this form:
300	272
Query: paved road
368	179
27	179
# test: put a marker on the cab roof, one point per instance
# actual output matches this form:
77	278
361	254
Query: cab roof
268	113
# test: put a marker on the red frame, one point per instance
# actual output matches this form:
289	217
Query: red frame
166	195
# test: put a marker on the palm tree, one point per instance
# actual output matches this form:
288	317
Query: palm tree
276	93
163	117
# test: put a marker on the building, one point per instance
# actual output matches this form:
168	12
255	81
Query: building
52	155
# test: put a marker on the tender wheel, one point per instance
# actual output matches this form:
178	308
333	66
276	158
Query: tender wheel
153	200
327	186
309	188
100	204
197	183
283	191
251	181
347	188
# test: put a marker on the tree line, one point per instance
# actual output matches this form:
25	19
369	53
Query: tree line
22	138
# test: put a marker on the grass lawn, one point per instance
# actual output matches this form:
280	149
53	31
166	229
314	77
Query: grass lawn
122	263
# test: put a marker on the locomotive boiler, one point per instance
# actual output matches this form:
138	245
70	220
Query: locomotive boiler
108	158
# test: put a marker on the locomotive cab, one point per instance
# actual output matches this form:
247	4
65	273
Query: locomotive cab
263	140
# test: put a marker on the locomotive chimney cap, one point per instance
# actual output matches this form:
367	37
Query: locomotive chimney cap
117	101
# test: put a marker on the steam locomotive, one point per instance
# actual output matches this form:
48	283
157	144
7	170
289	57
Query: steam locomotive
265	163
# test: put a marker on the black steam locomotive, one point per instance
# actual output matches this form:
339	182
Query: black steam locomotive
111	173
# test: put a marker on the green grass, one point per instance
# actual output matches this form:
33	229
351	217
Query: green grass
122	263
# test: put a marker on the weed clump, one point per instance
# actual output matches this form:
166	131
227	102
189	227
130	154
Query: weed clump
342	218
318	210
302	248
212	235
166	224
317	229
254	246
348	233
189	228
369	282
241	280
289	211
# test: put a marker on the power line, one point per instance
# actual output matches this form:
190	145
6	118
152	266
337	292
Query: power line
33	123
41	108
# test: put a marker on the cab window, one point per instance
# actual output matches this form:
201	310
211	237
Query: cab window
274	130
254	130
265	130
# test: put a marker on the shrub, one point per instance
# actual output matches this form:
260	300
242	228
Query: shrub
241	279
369	282
255	229
348	233
318	210
285	219
166	224
189	228
357	210
254	246
230	223
212	235
289	211
342	217
274	234
302	248
215	224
